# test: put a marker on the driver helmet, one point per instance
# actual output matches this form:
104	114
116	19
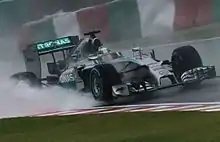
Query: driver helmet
96	42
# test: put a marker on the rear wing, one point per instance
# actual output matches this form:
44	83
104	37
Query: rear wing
59	44
34	51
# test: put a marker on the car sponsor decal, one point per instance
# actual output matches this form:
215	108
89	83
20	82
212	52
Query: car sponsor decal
67	76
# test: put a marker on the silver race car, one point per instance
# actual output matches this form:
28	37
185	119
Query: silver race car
88	65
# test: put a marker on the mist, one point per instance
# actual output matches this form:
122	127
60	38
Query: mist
21	100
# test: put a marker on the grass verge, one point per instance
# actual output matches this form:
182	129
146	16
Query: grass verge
121	127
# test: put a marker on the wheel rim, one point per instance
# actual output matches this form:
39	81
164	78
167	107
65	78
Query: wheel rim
96	85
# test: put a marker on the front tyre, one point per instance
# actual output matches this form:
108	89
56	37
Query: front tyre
183	59
102	78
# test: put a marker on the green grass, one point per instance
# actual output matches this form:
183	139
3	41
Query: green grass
124	127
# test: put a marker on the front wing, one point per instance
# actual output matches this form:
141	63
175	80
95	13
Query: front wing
192	76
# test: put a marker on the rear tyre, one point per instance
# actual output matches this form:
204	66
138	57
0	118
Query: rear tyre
183	59
28	77
102	78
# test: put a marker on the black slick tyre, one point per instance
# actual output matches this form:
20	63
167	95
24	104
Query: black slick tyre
183	59
102	78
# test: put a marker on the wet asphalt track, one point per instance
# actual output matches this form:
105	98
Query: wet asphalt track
209	91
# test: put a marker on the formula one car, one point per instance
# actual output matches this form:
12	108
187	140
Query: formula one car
88	65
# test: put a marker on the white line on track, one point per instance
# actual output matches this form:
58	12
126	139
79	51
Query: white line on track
83	112
210	107
162	104
117	110
212	110
207	107
149	109
178	108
